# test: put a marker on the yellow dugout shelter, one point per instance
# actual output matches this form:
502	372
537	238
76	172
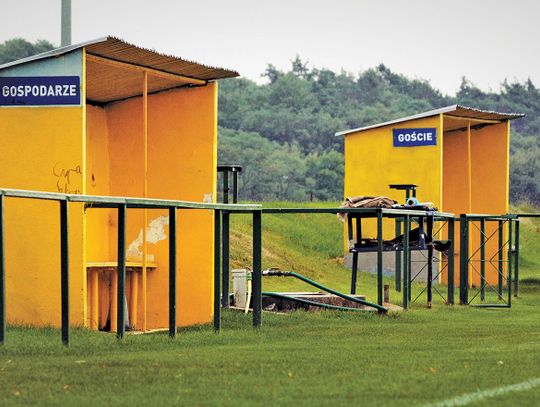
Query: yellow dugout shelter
457	156
108	118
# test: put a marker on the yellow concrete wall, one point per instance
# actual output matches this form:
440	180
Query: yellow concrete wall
182	135
97	182
42	149
372	163
490	153
182	142
487	189
455	185
490	182
455	173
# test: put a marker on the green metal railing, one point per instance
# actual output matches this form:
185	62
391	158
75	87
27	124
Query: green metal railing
376	213
121	204
516	251
468	263
428	260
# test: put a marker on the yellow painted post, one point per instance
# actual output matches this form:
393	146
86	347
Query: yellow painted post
469	166
86	312
507	171
441	200
94	299
134	298
114	299
469	184
145	222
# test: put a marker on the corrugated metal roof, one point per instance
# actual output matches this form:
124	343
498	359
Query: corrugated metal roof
119	50
453	110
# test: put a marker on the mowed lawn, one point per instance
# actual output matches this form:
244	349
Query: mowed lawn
412	358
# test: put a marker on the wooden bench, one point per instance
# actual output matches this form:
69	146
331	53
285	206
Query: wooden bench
93	269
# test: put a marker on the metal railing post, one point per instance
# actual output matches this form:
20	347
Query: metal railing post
482	260
257	269
450	259
429	236
225	186
121	273
379	258
235	187
406	263
64	273
2	276
516	260
398	258
509	271
409	266
463	260
172	271
225	301
217	269
500	260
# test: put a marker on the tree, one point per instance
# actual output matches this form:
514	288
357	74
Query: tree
295	115
18	48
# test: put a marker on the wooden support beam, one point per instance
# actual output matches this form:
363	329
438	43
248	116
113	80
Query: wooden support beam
145	195
150	71
470	119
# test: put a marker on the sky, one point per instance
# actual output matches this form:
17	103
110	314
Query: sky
486	41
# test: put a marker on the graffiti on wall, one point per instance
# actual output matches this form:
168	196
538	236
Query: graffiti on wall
68	179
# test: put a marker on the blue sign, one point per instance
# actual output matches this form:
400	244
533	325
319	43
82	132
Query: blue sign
415	137
40	90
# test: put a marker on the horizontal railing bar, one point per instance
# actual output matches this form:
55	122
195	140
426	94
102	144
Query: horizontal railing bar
112	201
481	216
19	193
95	199
527	215
363	211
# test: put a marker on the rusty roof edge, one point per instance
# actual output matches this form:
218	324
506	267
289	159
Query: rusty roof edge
430	113
169	56
69	48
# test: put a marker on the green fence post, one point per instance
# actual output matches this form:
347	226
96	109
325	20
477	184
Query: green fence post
516	260
464	260
451	256
217	269
482	260
509	272
398	258
226	186
406	263
380	298
172	271
429	236
409	259
235	187
225	301
257	269
121	274
500	260
2	275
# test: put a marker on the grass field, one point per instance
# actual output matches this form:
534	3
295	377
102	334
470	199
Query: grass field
419	357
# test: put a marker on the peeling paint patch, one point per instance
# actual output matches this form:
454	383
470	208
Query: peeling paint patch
155	232
208	198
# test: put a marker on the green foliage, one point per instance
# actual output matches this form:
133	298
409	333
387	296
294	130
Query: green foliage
305	106
17	48
280	171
